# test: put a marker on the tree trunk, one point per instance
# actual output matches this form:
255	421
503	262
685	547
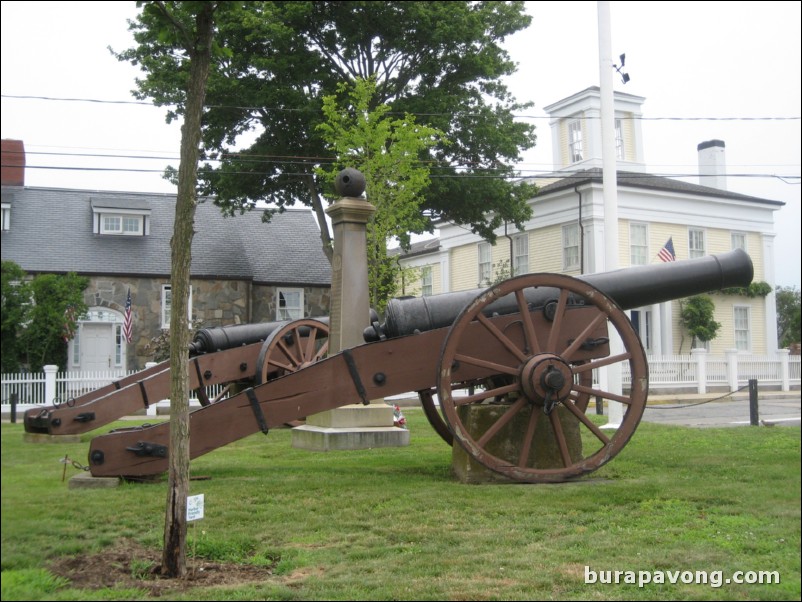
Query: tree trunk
317	206
174	561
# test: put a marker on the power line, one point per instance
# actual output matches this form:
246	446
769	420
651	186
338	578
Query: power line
433	114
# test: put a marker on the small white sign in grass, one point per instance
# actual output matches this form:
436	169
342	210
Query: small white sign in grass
194	507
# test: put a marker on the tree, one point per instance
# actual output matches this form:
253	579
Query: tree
788	315
386	150
696	314
180	35
440	61
16	297
39	317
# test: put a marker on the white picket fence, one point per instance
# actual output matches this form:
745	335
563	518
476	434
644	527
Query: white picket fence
697	372
52	387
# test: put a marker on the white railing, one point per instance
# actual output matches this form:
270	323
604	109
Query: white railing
696	372
51	387
732	371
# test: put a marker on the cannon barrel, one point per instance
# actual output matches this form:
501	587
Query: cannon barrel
220	338
209	340
629	287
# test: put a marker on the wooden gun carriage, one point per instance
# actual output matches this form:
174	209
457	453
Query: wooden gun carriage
529	345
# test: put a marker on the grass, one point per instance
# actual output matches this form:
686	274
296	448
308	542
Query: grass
392	524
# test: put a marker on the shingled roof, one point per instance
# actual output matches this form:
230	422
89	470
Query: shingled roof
51	231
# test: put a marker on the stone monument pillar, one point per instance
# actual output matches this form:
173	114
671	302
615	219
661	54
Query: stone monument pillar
353	426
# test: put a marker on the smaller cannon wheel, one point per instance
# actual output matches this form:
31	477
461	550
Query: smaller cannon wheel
544	358
292	347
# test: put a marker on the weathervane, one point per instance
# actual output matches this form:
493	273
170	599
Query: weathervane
624	76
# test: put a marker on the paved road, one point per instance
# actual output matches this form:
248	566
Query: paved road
771	411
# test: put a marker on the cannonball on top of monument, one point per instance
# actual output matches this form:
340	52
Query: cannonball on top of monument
350	182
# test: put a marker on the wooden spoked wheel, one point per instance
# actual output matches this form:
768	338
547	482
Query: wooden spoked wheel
289	348
543	358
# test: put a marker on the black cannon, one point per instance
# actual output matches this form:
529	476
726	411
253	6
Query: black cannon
529	346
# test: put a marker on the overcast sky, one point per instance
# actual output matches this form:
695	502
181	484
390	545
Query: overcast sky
735	62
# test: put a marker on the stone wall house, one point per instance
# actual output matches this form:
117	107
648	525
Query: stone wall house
243	269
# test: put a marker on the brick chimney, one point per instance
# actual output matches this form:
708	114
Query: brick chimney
13	163
712	164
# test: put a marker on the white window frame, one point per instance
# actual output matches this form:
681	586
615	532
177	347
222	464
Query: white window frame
619	139
575	149
167	305
738	240
6	223
520	249
124	223
696	243
485	264
638	243
426	286
570	241
285	312
741	330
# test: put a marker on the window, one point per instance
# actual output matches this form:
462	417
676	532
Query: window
167	305
571	247
738	240
696	243
485	264
290	304
520	258
121	216
638	244
575	140
619	140
128	225
6	217
742	340
426	281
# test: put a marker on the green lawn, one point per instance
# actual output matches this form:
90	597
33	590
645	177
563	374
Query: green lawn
394	525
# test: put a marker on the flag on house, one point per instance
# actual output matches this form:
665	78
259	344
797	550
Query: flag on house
128	333
667	252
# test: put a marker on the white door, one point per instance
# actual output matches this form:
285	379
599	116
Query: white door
97	346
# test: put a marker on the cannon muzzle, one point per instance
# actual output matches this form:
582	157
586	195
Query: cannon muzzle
628	287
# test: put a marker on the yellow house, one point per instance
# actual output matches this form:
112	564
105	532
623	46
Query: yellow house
565	234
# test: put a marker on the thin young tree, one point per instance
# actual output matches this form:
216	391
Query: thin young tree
182	33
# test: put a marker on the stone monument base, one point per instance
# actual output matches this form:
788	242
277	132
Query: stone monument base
507	443
350	427
85	480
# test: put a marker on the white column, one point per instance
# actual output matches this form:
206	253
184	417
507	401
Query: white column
785	374
50	383
700	357
732	369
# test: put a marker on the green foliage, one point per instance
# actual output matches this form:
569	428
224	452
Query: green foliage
501	272
442	61
788	315
386	150
696	314
16	298
39	316
755	289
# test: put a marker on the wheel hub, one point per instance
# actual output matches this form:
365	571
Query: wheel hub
546	377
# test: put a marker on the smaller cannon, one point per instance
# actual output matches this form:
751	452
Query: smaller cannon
232	356
529	346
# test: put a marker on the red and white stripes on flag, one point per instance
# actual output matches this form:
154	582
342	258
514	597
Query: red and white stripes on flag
667	252
128	333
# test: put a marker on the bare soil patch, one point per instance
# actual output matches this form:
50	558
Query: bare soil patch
128	564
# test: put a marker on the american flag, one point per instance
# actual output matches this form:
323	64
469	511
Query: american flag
667	252
128	333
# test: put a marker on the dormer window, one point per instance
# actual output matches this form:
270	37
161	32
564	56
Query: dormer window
121	217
